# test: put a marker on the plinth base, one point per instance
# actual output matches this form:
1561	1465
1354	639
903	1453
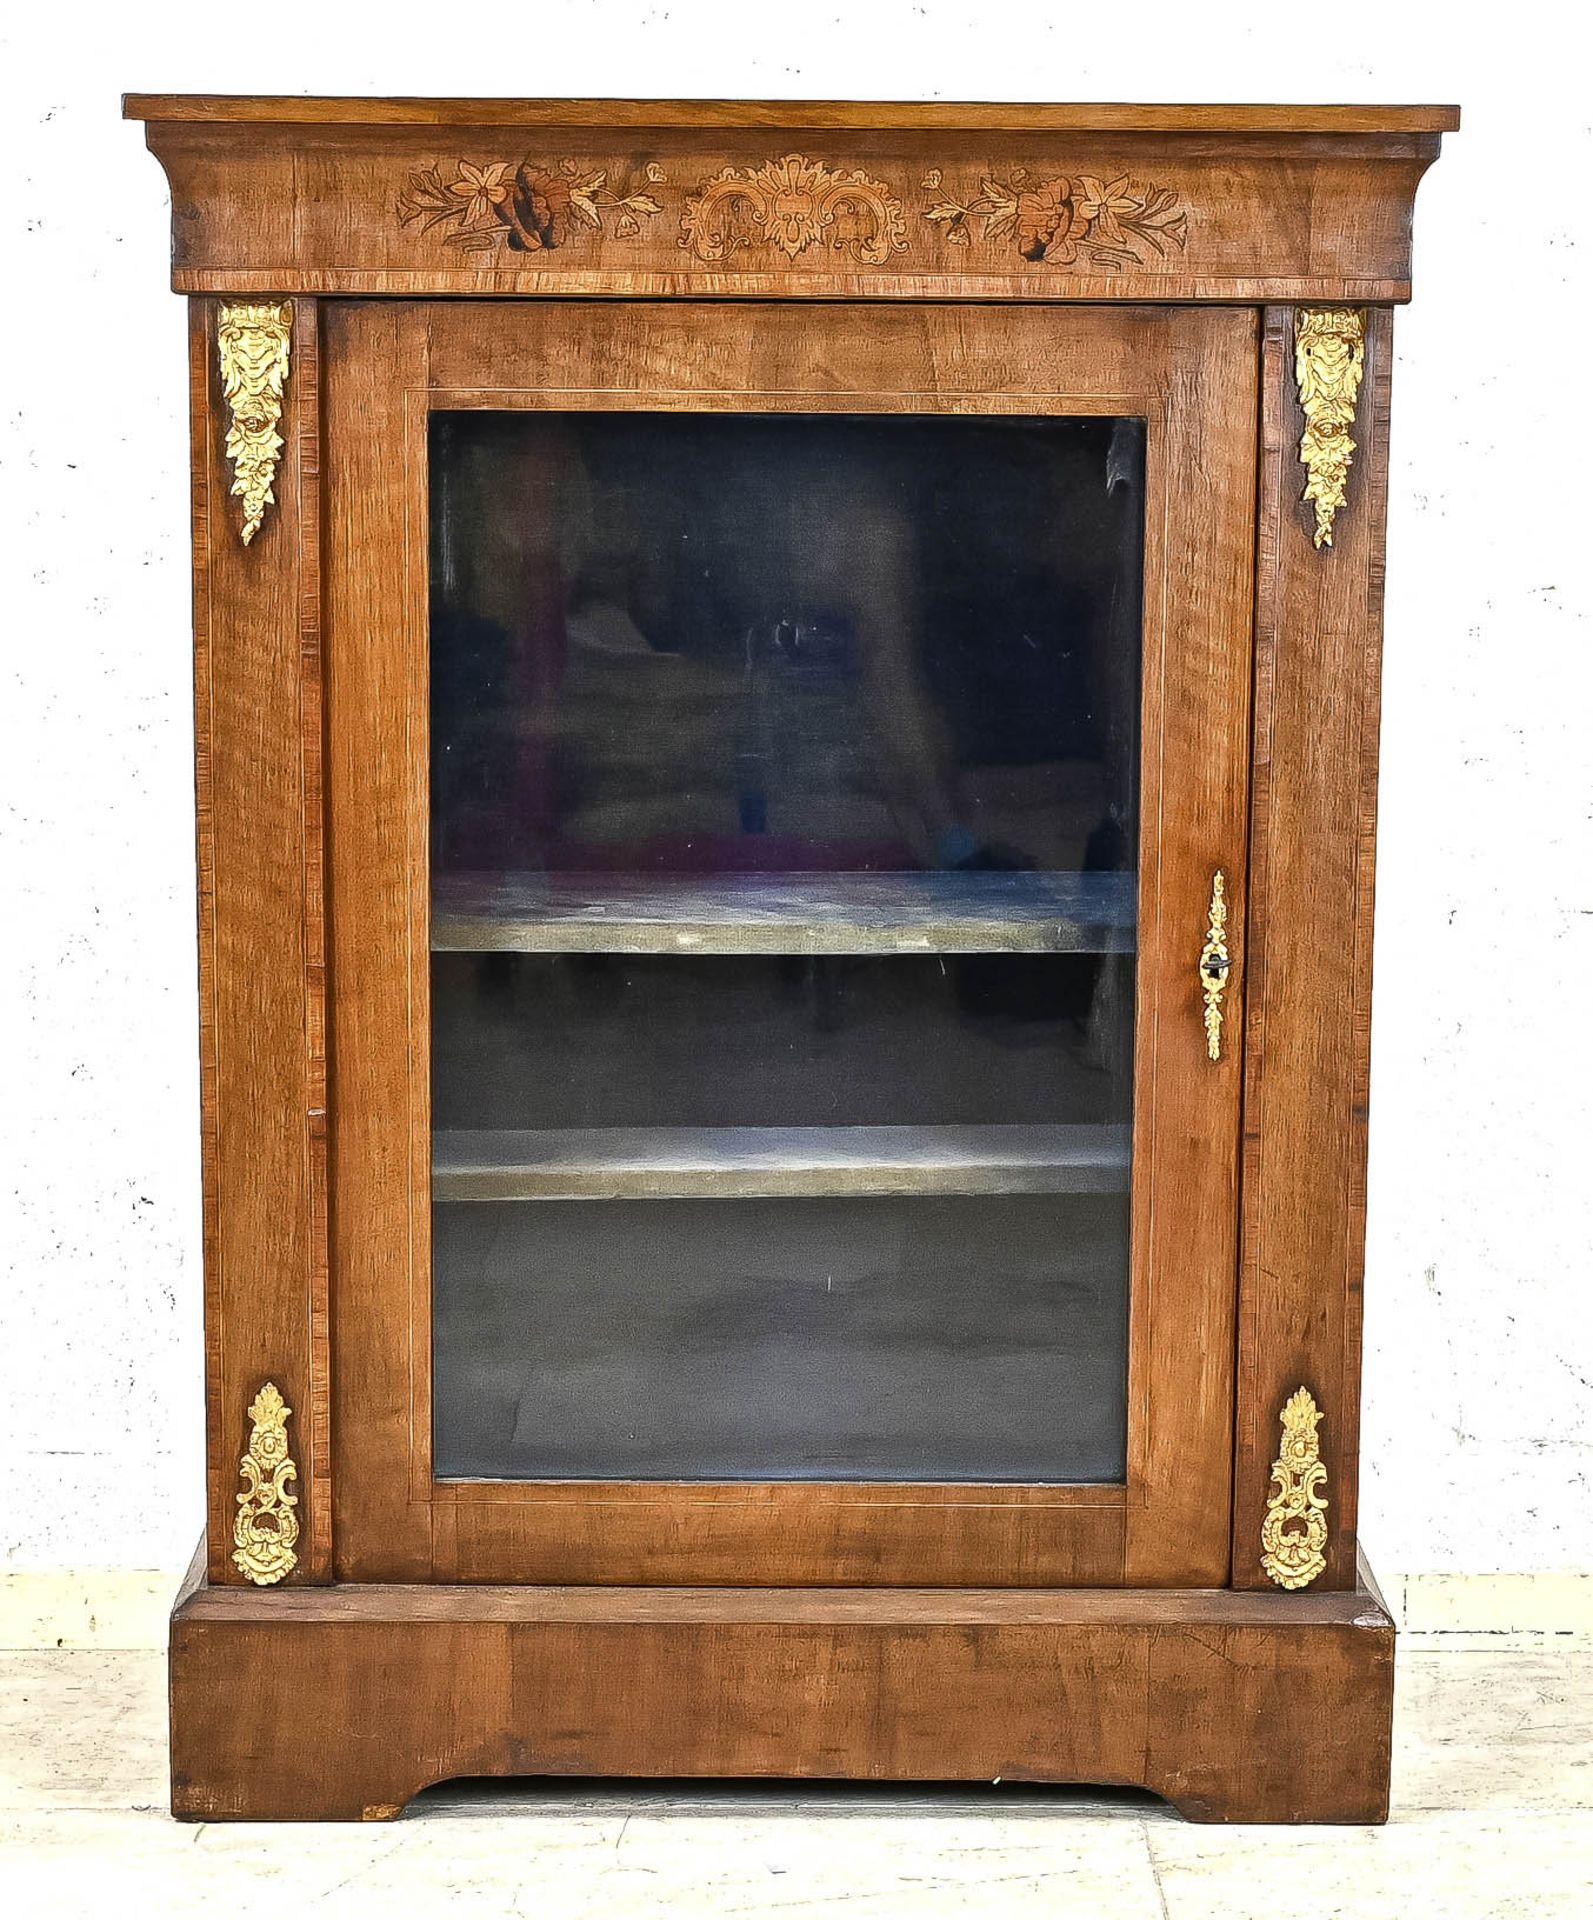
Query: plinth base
340	1703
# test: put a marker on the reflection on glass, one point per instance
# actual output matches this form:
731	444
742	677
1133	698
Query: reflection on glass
619	1040
784	779
709	643
918	1339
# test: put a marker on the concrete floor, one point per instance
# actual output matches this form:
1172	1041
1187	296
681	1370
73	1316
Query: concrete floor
1493	1817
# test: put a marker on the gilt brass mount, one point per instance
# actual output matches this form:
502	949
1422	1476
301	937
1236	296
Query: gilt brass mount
1329	358
266	1528
252	341
1215	962
1294	1532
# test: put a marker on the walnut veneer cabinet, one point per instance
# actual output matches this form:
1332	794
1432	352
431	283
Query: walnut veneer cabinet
787	721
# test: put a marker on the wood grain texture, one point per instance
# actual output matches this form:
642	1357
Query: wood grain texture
1192	375
317	1533
1195	788
245	109
377	787
1319	645
342	1703
1270	208
756	1534
262	976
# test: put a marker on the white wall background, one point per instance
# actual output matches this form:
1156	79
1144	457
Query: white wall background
1479	1387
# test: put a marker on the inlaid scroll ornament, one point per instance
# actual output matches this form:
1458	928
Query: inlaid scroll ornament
1062	220
789	205
252	341
1329	358
266	1528
527	207
1294	1532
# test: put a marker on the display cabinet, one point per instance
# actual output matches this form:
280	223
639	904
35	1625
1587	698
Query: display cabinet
786	722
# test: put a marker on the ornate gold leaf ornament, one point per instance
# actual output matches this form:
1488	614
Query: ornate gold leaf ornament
266	1528
1294	1532
792	204
252	340
1215	962
1329	358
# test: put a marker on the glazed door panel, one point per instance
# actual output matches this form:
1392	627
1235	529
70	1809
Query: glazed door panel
778	764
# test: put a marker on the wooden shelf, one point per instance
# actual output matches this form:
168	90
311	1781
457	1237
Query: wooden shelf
678	1163
821	913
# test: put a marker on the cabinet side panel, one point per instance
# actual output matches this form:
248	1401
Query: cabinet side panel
217	1496
262	979
1319	645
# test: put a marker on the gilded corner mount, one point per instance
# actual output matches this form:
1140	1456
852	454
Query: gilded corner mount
1294	1532
252	340
267	1529
1329	358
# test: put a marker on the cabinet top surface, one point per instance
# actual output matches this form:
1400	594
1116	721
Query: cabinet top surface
1117	116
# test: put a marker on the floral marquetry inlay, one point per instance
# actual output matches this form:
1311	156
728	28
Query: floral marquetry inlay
795	208
1061	221
791	204
526	207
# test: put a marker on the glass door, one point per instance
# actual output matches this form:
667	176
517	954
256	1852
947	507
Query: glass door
805	856
784	831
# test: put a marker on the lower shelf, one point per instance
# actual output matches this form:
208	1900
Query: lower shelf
334	1703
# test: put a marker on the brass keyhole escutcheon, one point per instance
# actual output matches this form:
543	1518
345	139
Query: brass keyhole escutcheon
1215	963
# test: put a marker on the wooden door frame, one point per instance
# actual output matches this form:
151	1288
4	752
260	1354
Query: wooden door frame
391	364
